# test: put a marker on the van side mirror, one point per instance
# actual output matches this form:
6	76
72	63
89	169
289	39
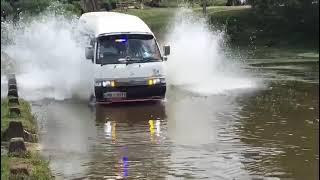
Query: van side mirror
166	50
89	53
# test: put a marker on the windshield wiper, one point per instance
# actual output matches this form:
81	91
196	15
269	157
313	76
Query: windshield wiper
109	62
129	60
150	59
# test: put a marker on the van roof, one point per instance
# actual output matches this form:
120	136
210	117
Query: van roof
112	22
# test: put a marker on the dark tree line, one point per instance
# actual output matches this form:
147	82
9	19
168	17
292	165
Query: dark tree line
299	15
13	8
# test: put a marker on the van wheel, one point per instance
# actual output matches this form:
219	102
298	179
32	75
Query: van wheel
92	99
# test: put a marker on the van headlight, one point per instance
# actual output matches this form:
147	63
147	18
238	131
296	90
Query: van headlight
156	81
105	83
97	83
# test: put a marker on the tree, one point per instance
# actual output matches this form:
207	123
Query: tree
6	9
204	7
233	2
90	5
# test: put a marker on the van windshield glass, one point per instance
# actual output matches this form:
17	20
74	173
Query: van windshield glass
130	48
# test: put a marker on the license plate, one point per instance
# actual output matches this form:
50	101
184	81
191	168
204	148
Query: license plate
111	95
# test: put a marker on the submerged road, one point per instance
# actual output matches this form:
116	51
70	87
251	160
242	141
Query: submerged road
270	132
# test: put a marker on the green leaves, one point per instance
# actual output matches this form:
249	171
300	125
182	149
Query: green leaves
13	8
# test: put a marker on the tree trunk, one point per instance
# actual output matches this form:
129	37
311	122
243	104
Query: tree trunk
90	5
230	3
204	7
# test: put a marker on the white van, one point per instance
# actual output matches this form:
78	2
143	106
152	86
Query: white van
128	65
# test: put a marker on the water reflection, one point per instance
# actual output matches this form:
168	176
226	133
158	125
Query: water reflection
280	130
110	130
67	136
155	128
203	143
269	133
130	142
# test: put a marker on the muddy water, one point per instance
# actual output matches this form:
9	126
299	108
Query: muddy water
264	133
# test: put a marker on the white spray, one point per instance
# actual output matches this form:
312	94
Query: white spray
50	60
197	61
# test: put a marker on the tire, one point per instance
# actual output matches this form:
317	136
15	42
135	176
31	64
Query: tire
92	100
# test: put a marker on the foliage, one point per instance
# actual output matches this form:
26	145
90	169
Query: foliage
298	12
6	8
244	27
14	8
109	4
298	16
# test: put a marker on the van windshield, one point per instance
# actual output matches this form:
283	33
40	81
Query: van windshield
127	48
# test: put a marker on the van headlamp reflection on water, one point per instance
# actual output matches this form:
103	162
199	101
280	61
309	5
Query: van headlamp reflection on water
154	127
110	130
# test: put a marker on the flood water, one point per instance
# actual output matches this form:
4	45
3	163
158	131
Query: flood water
270	132
240	131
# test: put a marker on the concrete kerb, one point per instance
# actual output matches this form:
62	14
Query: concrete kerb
13	92
13	101
12	86
17	147
14	111
12	81
13	97
18	137
15	129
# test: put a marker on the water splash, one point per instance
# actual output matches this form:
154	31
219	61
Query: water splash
50	59
197	62
50	63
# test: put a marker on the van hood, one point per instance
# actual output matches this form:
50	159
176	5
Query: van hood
134	70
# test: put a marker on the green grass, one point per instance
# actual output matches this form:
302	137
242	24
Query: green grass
39	169
5	167
176	3
215	9
156	18
27	118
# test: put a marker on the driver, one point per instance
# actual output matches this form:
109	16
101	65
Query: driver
108	47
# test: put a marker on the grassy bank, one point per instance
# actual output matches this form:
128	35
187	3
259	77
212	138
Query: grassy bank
156	18
31	161
27	119
260	36
159	18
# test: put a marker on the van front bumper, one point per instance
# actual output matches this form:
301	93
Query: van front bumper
133	93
